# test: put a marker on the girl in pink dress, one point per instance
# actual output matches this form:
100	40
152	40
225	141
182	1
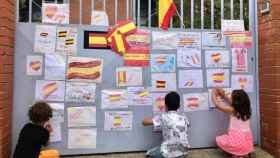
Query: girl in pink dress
239	140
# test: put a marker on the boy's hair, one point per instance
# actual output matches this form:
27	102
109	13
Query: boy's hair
40	113
172	101
241	104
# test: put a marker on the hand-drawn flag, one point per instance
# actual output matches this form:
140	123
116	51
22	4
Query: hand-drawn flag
137	57
166	10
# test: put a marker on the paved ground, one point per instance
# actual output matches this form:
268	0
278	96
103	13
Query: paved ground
202	153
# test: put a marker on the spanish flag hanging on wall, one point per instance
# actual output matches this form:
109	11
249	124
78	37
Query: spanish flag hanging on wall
166	10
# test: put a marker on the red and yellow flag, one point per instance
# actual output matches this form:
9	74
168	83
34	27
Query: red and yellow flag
166	10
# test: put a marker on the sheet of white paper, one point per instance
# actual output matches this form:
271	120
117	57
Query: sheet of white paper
245	82
58	111
82	138
188	57
211	104
55	67
164	40
114	99
163	82
45	37
218	78
80	92
163	63
34	64
232	25
55	134
239	59
139	96
195	102
129	76
189	39
81	116
213	40
99	18
83	69
66	40
55	13
50	90
158	102
118	120
190	79
217	58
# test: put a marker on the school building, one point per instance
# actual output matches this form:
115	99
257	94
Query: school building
266	23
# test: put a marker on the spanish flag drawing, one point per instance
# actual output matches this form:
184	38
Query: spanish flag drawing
166	10
62	34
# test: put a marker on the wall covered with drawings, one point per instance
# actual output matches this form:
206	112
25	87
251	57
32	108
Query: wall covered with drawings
100	97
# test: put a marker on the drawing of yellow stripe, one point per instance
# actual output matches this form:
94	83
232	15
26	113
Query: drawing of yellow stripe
122	76
136	56
143	94
97	40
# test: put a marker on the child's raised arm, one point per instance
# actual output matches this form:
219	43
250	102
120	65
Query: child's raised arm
147	122
217	96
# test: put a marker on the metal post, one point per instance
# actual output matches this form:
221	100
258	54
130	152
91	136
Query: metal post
30	11
192	13
182	14
127	9
92	5
231	10
134	11
222	9
149	13
212	14
138	13
202	14
104	5
17	11
241	10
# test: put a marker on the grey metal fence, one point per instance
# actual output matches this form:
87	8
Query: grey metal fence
194	14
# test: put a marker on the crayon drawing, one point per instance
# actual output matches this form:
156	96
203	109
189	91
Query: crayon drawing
188	57
84	69
218	78
195	102
129	76
158	102
44	41
66	40
80	92
239	59
190	79
118	120
139	96
55	67
245	82
217	58
213	40
114	99
162	63
163	82
50	90
34	65
81	116
55	13
82	138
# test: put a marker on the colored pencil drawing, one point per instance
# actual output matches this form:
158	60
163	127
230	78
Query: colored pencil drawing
195	102
129	76
84	69
80	92
188	57
217	58
163	63
114	99
163	81
190	79
218	78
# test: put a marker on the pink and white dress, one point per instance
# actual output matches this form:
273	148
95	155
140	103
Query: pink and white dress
239	139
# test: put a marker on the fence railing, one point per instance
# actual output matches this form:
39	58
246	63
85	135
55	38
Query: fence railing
193	14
